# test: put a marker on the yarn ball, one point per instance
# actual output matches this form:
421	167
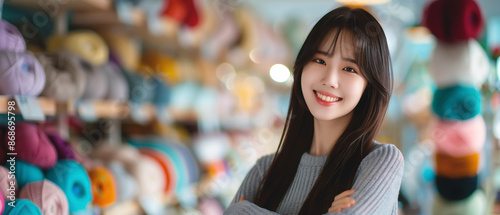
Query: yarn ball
26	173
455	189
49	198
33	146
10	38
461	62
73	181
166	165
117	84
22	207
149	176
8	184
65	76
20	74
142	89
457	102
124	47
96	81
64	150
453	20
181	173
162	93
475	204
457	167
86	44
164	66
458	138
103	186
2	203
126	185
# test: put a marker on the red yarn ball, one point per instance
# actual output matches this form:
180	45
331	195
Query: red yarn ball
454	20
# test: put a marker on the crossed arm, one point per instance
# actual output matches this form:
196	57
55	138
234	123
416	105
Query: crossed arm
376	187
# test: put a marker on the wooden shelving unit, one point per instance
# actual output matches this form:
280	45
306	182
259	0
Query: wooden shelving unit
47	105
73	5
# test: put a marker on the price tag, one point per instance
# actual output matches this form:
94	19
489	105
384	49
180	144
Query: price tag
29	107
86	110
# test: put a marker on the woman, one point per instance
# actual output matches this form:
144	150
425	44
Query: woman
327	160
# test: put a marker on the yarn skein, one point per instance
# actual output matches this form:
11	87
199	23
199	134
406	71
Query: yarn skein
26	173
103	186
126	185
49	198
125	48
453	20
456	189
461	62
458	138
22	207
64	150
86	44
166	165
457	167
475	204
2	202
73	181
96	81
33	146
456	102
149	176
65	76
20	74
8	184
117	84
10	38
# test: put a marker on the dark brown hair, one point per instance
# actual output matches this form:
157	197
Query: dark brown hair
337	175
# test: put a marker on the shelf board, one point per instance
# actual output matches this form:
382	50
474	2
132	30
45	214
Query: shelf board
47	105
50	6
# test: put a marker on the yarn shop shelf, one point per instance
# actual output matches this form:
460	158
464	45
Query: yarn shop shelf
101	109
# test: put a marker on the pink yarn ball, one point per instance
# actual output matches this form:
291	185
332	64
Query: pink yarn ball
459	138
47	196
20	74
10	38
2	203
5	181
33	146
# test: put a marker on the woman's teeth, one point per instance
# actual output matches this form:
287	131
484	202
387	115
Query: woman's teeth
327	98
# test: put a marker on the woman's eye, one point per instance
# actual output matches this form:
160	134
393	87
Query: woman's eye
320	61
349	69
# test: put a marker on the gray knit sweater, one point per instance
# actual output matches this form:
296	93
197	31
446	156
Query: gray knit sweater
376	184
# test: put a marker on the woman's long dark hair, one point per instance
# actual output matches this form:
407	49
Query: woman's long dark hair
372	54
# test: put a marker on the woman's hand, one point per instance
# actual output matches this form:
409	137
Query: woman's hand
342	201
242	198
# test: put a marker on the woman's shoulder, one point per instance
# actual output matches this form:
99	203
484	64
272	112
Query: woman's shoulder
264	162
384	152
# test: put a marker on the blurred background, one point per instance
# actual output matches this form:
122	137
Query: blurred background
163	106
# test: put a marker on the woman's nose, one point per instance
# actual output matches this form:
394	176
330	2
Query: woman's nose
331	78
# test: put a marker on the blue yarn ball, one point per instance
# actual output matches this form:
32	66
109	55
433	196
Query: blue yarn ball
162	92
22	207
457	102
141	88
26	173
73	181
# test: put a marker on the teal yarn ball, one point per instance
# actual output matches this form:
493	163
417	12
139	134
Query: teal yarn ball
25	173
457	102
475	204
22	207
73	181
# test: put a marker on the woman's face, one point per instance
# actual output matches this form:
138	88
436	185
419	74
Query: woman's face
332	85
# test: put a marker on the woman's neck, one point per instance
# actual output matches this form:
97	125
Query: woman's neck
326	134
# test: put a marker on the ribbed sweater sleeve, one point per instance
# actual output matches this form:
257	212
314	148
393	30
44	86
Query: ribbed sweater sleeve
378	182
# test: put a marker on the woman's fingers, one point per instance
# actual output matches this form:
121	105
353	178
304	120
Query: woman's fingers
344	194
242	198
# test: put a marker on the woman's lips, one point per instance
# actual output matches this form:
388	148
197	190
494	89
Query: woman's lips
326	99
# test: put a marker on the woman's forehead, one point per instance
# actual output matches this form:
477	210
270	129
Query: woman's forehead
343	43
